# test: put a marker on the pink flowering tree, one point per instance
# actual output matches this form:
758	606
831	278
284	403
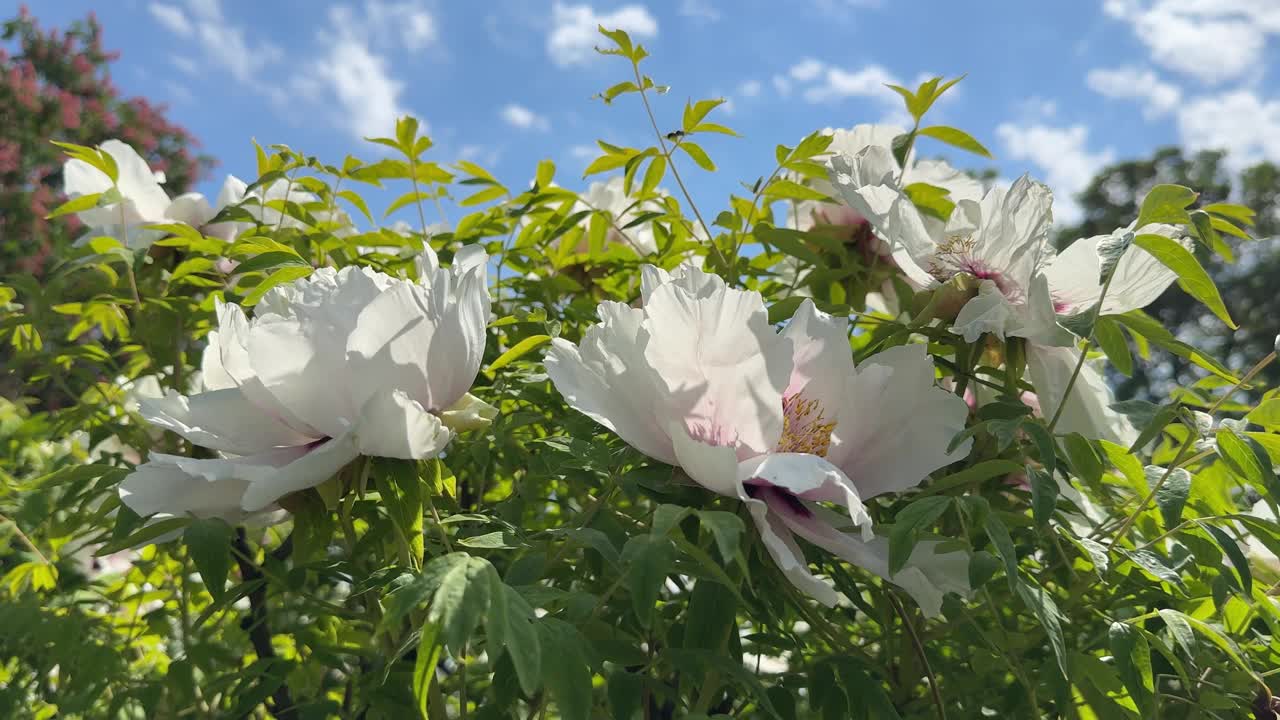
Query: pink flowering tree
56	85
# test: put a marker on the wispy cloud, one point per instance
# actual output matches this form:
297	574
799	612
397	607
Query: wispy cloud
521	117
574	33
1157	97
1063	154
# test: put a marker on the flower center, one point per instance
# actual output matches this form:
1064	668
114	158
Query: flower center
775	496
955	256
803	429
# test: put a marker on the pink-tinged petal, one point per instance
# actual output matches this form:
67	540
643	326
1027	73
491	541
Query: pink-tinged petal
821	357
1139	277
805	477
894	424
928	575
606	379
222	420
1088	410
319	464
714	467
394	425
722	365
1013	238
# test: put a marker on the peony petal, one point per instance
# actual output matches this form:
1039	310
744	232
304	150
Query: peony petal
714	467
788	555
1088	410
190	208
319	464
396	426
222	420
808	477
137	183
894	424
1075	283
989	312
605	378
688	276
722	365
927	576
1013	239
821	357
303	373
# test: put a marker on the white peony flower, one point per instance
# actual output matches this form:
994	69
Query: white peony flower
699	378
609	197
143	201
340	364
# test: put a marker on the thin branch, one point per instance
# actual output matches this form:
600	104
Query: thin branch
283	706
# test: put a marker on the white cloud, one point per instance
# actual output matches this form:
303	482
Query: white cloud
185	64
701	10
574	36
482	155
367	95
225	43
782	85
1211	40
838	83
584	152
172	17
1063	155
1157	97
1037	107
806	70
406	23
521	117
1240	122
750	88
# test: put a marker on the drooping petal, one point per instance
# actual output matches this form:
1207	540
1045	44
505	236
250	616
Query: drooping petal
319	464
989	312
927	576
394	425
1139	278
175	486
1088	410
606	379
788	555
894	424
722	365
714	467
222	420
808	477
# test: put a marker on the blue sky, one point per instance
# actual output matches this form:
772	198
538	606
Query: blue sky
1056	89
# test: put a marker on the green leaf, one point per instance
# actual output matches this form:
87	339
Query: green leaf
546	173
1133	660
694	113
145	536
653	175
518	350
279	277
699	156
909	523
1084	460
269	260
209	545
1111	339
402	491
424	667
726	528
1003	544
511	628
1191	275
1166	204
1238	560
1266	414
567	675
783	189
791	242
1046	611
1240	457
462	598
75	205
1044	494
931	199
1171	498
1180	630
484	196
648	560
955	138
984	470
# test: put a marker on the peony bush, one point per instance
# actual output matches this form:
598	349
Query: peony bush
845	448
